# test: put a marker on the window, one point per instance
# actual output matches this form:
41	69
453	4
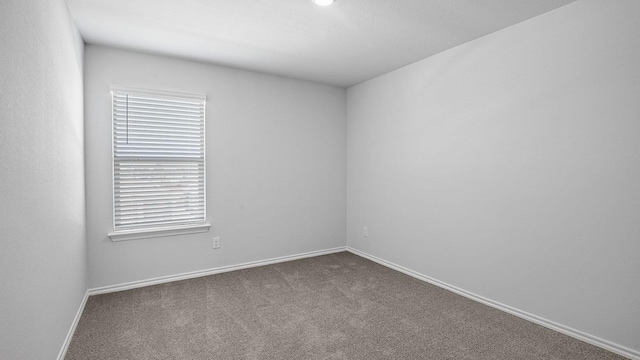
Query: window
158	164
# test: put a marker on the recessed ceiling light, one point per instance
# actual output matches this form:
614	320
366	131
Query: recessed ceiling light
324	2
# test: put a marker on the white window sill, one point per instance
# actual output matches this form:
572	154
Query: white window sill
158	232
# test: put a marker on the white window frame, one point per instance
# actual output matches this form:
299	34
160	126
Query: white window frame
161	230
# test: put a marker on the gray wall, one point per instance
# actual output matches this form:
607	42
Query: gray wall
276	155
43	272
509	167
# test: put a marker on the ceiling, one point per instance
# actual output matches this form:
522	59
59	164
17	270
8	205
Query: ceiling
343	44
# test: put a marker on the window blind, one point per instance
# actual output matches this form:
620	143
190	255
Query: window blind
158	160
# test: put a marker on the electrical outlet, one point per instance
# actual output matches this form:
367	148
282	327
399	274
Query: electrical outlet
216	242
365	231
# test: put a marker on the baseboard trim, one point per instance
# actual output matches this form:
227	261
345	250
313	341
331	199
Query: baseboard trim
212	271
594	340
72	330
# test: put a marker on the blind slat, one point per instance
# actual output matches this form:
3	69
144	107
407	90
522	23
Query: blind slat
154	224
158	113
155	216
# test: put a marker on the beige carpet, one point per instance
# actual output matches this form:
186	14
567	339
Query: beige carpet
338	306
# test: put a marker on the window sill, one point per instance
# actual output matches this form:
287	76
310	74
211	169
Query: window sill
158	232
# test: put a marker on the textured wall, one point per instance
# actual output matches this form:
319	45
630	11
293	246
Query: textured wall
276	153
509	167
43	273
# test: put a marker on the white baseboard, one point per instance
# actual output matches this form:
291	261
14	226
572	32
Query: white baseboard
594	340
206	272
72	330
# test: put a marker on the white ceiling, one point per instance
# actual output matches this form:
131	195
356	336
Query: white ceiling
342	44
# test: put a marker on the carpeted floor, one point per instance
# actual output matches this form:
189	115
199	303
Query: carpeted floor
338	306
